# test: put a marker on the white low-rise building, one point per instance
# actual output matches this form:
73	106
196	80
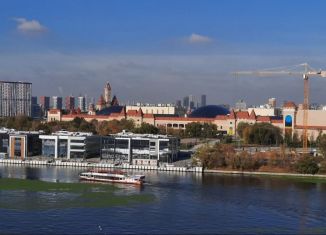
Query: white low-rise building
265	111
153	108
139	149
71	145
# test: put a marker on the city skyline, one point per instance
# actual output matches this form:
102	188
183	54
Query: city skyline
162	51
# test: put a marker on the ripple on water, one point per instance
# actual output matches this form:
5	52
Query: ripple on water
183	203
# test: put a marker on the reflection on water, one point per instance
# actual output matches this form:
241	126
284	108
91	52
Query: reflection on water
184	203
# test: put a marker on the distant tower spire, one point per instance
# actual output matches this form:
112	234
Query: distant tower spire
107	94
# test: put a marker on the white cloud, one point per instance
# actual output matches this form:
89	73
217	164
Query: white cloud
29	26
197	38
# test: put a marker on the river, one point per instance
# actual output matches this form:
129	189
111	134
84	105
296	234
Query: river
185	203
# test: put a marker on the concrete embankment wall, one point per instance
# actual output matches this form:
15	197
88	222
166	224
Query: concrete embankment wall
99	165
262	173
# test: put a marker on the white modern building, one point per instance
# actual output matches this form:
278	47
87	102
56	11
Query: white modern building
82	103
265	111
139	149
71	145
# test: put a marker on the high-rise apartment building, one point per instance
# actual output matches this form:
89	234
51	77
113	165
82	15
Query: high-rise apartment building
178	103
82	103
203	100
45	103
36	109
15	99
57	102
70	103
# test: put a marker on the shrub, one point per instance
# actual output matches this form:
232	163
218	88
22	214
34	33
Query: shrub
307	165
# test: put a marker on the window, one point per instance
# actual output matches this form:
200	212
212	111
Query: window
288	121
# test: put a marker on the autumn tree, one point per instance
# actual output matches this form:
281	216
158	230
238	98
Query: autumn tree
241	128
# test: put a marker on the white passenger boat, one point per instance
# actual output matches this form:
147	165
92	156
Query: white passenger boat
112	177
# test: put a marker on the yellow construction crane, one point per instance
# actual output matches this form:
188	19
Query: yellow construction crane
303	70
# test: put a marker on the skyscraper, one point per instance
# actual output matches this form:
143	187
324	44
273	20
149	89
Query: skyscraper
192	102
203	100
15	99
70	103
178	104
36	109
186	102
44	104
82	103
57	102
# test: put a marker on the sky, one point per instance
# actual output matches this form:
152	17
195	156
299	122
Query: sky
158	51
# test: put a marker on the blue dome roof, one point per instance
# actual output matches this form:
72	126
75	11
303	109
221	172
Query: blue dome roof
209	111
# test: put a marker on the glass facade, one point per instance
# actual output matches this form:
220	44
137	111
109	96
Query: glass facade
17	147
142	150
77	155
34	145
62	148
4	143
48	148
71	146
115	150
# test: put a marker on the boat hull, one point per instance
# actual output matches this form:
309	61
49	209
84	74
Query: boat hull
125	181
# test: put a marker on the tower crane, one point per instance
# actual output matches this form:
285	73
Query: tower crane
305	71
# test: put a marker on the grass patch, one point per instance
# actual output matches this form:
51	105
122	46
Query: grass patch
304	178
24	194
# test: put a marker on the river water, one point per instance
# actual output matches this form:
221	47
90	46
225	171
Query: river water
185	203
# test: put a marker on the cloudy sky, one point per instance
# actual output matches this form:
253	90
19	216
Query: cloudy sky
162	50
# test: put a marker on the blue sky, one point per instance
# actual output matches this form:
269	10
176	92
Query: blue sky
162	50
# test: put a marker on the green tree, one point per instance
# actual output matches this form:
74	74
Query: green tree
146	128
292	140
208	130
263	134
193	129
199	130
321	143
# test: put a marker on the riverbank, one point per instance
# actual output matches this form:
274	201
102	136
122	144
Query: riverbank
99	165
155	168
269	174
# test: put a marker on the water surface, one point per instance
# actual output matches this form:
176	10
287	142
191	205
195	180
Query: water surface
184	203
